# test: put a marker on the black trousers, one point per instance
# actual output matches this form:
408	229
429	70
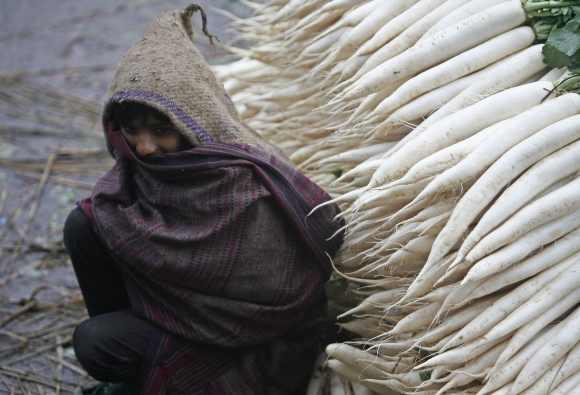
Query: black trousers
113	345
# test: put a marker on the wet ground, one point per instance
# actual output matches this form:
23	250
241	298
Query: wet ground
57	57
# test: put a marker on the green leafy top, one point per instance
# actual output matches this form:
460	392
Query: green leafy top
569	83
557	23
562	48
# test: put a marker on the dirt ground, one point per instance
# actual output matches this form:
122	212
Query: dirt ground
57	59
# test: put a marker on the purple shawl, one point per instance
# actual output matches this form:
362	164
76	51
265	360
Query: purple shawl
216	240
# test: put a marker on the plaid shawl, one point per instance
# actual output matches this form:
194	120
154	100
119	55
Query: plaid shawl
216	243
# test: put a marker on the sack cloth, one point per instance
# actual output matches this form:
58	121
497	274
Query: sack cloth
215	242
167	72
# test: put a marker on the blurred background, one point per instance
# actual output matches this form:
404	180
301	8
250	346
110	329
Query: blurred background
57	58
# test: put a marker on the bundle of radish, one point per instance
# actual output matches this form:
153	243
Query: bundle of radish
493	293
506	322
312	52
413	151
477	34
443	68
453	225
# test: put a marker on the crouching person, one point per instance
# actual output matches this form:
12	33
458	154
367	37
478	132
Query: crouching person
201	270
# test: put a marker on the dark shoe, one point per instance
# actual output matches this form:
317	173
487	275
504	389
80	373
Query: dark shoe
108	389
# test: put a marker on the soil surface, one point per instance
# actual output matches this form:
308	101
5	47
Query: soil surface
58	57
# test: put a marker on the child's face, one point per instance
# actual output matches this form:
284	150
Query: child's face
150	136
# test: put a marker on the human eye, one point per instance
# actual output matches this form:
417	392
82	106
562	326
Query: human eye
160	132
129	130
164	131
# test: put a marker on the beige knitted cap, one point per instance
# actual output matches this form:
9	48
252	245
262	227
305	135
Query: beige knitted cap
167	72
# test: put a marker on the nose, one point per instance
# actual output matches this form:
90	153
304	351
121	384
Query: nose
145	145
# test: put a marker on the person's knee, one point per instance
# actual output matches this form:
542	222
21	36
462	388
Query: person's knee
75	229
86	339
106	346
91	342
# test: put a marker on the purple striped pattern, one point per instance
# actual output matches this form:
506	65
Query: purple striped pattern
167	104
217	249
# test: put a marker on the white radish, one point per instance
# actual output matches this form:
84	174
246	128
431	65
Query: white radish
442	46
292	9
555	349
348	44
459	126
459	66
539	303
507	73
437	295
554	74
426	279
556	166
407	38
340	5
360	359
374	197
474	369
545	382
406	381
426	104
324	43
503	374
457	297
570	367
357	155
401	236
527	332
502	391
368	105
443	159
508	167
554	205
524	246
239	68
550	256
394	348
234	87
352	18
417	320
398	24
506	305
569	386
514	131
455	321
311	25
351	374
467	9
378	300
460	355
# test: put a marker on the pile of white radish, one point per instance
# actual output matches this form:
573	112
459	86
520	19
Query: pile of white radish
455	158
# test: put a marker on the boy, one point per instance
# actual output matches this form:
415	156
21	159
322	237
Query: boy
200	269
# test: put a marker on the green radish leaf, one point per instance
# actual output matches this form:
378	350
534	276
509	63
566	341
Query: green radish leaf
425	375
562	49
570	83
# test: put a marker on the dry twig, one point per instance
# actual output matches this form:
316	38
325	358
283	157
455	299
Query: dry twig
34	378
40	190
